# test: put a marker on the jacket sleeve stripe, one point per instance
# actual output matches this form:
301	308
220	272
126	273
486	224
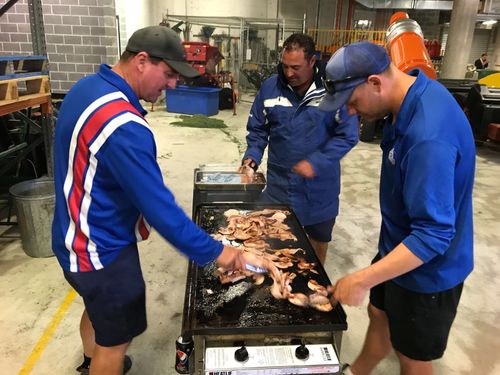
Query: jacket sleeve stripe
78	233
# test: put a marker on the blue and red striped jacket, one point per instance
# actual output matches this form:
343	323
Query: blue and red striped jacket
109	187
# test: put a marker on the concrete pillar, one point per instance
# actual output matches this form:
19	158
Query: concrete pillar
458	45
495	57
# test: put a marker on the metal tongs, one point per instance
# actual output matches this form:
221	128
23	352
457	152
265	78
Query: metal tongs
256	269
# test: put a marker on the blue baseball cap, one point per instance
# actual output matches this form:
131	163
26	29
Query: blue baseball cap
349	67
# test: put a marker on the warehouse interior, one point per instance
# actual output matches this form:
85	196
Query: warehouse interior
46	46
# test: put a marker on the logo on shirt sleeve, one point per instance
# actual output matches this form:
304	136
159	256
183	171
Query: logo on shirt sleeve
391	157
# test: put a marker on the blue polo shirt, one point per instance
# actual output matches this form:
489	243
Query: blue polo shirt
426	187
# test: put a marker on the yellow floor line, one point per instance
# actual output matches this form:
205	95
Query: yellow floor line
47	334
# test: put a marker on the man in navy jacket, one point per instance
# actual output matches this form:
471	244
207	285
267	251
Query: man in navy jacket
305	144
425	249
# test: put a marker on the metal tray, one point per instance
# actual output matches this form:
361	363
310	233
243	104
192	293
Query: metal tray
227	180
213	308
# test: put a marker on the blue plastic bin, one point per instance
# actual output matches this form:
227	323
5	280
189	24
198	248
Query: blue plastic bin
193	100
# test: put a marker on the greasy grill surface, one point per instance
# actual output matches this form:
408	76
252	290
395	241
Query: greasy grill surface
213	308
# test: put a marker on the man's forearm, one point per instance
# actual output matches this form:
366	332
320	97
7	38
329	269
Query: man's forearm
398	262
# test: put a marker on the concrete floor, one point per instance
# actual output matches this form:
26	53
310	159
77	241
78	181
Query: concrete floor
40	332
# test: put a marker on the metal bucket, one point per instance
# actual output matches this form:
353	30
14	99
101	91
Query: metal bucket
35	202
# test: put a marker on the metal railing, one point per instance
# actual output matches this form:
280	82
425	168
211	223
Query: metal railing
330	40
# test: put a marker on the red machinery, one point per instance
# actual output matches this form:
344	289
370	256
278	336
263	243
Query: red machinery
203	56
205	59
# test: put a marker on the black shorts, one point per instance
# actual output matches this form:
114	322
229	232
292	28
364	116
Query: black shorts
114	298
419	323
321	232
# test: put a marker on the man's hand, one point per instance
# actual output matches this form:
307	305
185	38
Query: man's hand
304	169
231	258
262	262
248	168
247	163
350	290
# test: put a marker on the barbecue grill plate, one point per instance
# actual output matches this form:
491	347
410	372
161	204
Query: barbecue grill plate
213	308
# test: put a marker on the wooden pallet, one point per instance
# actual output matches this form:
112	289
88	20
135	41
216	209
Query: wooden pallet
14	66
12	89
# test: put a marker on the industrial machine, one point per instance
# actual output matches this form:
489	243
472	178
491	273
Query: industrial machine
405	43
203	56
206	58
407	49
483	109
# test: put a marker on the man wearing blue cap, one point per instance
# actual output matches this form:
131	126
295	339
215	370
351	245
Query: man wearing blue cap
305	144
425	249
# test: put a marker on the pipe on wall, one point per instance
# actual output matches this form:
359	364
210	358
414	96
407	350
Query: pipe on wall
338	14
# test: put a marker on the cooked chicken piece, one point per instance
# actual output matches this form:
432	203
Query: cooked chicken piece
303	265
275	290
279	216
241	235
283	264
318	299
231	212
298	299
258	278
316	287
288	252
249	174
326	307
225	230
227	278
265	211
284	236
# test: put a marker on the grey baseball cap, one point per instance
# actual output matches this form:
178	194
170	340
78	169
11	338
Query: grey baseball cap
163	43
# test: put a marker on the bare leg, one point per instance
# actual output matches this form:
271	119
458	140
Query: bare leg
377	343
108	360
87	334
413	367
320	249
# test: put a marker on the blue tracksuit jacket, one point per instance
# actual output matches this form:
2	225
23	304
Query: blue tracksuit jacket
297	130
108	185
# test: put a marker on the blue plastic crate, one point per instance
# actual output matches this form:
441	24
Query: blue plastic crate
193	100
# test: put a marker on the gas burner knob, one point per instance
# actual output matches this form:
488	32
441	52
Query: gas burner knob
241	354
302	352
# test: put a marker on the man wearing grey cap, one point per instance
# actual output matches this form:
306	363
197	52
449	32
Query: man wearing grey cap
110	192
425	249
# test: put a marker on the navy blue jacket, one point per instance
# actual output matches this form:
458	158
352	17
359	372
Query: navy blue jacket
297	130
426	187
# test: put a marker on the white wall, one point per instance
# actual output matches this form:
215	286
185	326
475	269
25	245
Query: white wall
134	15
216	8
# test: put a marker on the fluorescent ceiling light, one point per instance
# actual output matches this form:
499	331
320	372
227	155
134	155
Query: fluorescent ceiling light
489	22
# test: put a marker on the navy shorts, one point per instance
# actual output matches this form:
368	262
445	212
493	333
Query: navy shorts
321	232
114	298
419	323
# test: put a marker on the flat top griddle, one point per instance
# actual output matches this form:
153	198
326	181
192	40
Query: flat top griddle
213	308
